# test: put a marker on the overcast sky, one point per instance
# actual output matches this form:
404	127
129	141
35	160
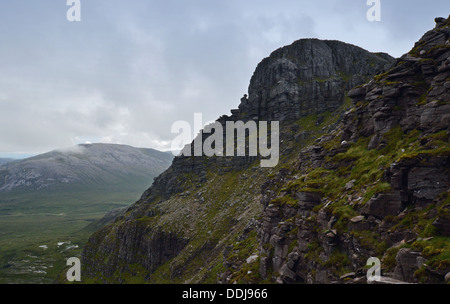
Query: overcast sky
131	68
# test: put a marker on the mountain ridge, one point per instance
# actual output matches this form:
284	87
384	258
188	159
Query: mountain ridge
179	220
362	174
82	164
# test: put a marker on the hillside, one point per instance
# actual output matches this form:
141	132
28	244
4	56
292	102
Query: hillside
5	160
363	171
86	165
59	197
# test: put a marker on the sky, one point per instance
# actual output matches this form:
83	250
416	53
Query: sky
129	69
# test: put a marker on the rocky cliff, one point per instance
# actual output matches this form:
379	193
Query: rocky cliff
363	172
377	187
308	77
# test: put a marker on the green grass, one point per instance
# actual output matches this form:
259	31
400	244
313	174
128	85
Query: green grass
437	252
32	219
209	223
343	213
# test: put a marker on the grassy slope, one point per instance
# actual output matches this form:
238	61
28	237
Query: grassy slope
31	219
367	168
213	216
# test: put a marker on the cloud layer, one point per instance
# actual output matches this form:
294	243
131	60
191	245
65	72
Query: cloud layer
130	69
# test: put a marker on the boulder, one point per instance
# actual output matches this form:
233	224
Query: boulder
350	184
357	219
442	223
407	263
357	92
251	259
383	204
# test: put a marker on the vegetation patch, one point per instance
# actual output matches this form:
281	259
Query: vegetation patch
437	252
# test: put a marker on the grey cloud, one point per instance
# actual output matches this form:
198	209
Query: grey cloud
130	69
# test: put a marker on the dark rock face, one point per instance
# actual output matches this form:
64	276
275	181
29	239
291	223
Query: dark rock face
310	76
408	262
133	244
170	181
383	205
442	223
413	96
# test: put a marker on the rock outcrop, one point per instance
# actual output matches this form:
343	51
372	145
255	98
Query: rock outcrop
364	172
310	76
400	123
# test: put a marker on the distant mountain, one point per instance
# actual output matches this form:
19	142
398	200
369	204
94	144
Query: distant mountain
60	197
5	160
85	165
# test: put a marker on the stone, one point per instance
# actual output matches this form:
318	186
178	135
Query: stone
330	234
287	274
439	20
263	266
387	280
357	219
391	91
427	182
350	184
442	223
374	142
313	197
407	263
382	205
349	275
292	259
251	259
357	92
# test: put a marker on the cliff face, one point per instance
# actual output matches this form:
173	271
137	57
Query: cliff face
373	185
378	187
308	77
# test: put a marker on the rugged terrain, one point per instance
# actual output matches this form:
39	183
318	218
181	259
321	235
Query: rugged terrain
364	172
